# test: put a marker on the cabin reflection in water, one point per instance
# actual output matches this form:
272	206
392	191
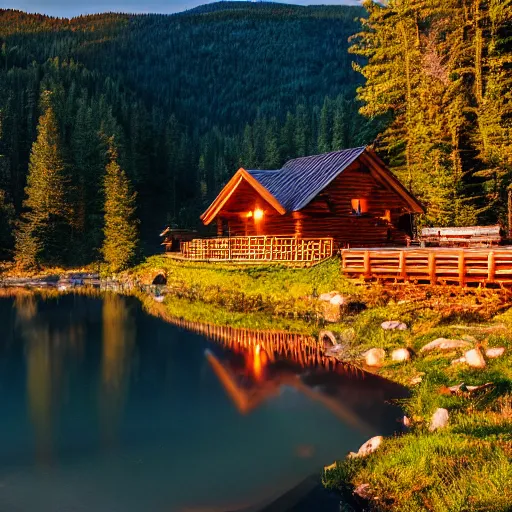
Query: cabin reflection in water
358	399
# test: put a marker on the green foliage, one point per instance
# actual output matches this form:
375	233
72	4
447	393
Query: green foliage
45	224
120	230
441	71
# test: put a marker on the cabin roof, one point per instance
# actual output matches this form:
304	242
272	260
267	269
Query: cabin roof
300	180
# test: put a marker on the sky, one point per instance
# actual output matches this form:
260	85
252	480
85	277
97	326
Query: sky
69	8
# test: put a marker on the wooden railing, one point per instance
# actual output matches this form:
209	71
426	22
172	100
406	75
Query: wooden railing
433	265
259	248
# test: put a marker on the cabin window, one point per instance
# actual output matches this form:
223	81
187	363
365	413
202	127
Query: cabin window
387	215
359	206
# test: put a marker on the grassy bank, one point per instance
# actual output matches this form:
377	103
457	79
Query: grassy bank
467	465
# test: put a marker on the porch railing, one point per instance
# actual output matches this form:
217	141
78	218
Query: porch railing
259	248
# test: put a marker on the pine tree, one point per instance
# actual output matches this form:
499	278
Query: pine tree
120	229
43	233
272	156
325	129
6	226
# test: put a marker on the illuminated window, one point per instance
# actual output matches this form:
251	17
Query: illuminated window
258	214
359	206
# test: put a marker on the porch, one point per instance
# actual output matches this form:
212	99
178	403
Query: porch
285	249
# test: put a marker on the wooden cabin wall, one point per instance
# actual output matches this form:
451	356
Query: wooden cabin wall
328	215
331	211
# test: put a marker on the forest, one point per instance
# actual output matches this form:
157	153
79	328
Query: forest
167	107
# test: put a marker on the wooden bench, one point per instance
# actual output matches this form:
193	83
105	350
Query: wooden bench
470	236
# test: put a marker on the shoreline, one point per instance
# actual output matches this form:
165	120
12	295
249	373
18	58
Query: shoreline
468	459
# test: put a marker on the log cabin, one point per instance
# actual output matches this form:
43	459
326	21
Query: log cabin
349	196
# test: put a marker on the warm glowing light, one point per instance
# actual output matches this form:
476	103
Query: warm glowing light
249	214
359	206
258	214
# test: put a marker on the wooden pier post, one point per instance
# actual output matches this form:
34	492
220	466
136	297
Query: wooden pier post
432	267
402	266
462	269
491	267
367	265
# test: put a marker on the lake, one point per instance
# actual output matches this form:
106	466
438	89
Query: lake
106	408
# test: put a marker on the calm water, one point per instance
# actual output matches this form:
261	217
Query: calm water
105	408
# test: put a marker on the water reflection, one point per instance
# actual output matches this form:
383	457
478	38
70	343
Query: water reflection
129	413
118	345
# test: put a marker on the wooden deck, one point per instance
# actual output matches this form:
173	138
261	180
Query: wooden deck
259	249
434	265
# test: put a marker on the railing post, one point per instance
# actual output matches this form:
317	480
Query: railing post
402	266
367	265
462	269
491	267
343	261
432	267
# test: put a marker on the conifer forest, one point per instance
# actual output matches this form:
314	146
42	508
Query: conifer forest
113	126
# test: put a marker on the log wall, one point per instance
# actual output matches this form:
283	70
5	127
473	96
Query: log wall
329	214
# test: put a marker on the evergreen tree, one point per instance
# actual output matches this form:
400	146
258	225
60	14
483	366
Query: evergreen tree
120	230
43	233
6	226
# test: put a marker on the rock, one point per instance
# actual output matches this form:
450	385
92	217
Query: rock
374	356
391	325
462	388
406	422
338	300
326	297
492	353
159	298
369	447
439	419
330	312
327	338
445	344
460	360
363	491
401	354
474	358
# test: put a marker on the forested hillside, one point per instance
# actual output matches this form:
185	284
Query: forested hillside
187	98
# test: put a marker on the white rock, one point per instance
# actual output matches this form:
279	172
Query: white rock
416	380
374	356
370	446
401	354
474	358
439	419
406	421
392	325
338	300
460	360
326	297
445	344
492	353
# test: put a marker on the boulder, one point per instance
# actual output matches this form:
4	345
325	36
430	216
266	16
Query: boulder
326	297
474	358
331	313
460	360
369	447
439	419
401	354
337	350
338	300
492	353
392	325
445	344
374	357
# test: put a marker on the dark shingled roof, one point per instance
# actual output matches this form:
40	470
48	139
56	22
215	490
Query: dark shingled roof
300	180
